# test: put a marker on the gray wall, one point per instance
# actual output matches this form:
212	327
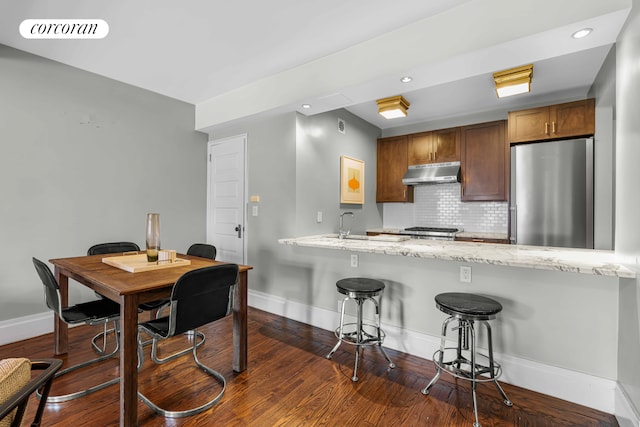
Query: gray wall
628	198
539	323
84	158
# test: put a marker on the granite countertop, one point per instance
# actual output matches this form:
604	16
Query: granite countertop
586	261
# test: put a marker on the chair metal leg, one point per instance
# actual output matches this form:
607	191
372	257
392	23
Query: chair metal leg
188	412
103	349
75	395
158	360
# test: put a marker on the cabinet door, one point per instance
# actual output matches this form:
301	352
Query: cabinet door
529	125
484	162
573	119
446	145
391	167
420	148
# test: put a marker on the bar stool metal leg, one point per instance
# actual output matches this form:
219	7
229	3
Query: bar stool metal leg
440	355
380	338
340	328
491	365
471	332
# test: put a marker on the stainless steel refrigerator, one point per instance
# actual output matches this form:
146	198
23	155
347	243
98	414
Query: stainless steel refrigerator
551	201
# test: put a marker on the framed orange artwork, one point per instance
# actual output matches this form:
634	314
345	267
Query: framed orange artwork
351	180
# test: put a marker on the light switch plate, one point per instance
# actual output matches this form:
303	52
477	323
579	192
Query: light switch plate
319	217
254	210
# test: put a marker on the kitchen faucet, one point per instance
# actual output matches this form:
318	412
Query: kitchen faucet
342	233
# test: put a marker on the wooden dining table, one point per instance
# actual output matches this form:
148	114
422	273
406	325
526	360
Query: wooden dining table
130	289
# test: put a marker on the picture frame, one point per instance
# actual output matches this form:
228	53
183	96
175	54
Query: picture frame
351	180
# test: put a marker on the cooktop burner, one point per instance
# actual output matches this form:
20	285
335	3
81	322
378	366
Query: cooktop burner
434	229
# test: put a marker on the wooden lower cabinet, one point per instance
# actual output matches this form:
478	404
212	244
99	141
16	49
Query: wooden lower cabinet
482	240
485	162
391	167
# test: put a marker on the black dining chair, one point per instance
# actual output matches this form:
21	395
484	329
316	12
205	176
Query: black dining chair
198	297
103	249
113	248
202	250
98	312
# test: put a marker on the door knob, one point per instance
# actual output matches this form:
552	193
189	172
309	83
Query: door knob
239	230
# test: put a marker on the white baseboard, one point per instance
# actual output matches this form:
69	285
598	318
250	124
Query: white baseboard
588	390
26	327
626	414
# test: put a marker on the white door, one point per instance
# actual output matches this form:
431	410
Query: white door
226	198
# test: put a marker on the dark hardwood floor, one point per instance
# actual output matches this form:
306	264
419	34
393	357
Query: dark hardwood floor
290	383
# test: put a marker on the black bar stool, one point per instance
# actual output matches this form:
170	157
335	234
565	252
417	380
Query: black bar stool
360	289
464	361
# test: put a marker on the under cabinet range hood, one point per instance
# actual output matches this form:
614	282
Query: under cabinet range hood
432	173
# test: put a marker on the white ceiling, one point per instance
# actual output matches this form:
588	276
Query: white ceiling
206	52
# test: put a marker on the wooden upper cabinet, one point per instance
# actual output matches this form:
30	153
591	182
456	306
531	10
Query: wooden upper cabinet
447	145
485	162
571	119
434	147
391	167
420	148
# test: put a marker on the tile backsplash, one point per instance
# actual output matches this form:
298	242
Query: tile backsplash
440	206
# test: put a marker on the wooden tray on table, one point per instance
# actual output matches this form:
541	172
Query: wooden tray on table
138	263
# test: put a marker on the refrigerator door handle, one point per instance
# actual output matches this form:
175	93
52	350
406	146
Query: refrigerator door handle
514	224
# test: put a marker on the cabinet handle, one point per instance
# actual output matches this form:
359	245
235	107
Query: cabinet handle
434	155
404	194
546	128
553	127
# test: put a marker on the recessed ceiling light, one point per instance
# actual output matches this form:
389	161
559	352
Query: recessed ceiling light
306	106
582	33
406	79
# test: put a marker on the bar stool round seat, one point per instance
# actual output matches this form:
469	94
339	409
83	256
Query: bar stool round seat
464	361
470	306
359	333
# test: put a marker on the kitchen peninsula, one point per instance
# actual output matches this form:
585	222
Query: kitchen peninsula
586	261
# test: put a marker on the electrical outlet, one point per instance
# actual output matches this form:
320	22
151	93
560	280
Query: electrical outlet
319	217
354	260
254	210
465	274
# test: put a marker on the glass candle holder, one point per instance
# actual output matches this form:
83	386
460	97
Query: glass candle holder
153	236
